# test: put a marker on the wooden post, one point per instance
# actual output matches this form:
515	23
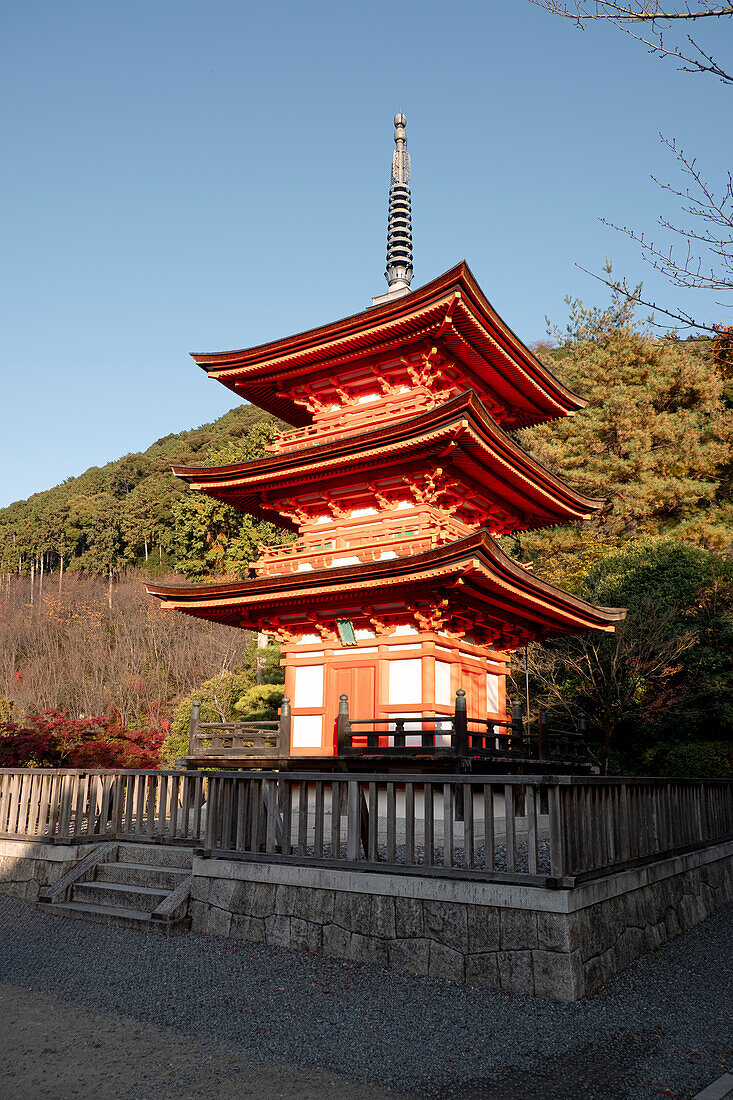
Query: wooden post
344	726
193	728
543	745
460	725
283	737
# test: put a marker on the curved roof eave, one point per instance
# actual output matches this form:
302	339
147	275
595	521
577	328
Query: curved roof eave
458	280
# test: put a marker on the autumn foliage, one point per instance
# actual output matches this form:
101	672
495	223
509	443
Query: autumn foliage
52	739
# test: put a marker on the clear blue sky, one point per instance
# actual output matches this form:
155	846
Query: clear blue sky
203	175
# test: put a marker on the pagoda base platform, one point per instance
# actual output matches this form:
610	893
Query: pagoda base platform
399	761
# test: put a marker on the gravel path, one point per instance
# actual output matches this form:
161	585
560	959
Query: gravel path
264	1021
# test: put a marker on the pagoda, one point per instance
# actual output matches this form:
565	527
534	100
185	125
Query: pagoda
398	476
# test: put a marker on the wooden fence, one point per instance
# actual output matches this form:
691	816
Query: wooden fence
68	806
542	830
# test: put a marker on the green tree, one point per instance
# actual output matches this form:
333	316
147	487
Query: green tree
211	538
655	439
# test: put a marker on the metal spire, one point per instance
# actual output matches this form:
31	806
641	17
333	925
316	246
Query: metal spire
399	226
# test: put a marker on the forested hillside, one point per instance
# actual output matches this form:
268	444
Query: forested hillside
655	441
134	513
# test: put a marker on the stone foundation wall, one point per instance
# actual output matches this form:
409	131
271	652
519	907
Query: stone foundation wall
560	944
25	867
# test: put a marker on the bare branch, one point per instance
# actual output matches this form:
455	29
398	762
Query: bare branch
652	16
622	287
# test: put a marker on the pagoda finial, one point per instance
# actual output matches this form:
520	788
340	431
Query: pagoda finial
399	227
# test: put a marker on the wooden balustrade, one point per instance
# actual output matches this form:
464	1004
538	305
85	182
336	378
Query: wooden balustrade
539	830
73	805
224	743
551	831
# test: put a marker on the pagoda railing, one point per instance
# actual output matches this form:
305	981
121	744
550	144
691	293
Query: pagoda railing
235	741
351	419
458	735
365	548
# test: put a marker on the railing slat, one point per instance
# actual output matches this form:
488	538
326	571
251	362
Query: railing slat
448	824
335	820
319	816
391	823
511	860
489	842
429	816
531	810
409	823
468	856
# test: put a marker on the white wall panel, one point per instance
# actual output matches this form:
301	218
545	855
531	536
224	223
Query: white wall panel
492	693
443	693
307	731
308	686
405	681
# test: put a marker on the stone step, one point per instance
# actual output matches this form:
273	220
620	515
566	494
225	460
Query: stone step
141	874
116	915
142	899
157	855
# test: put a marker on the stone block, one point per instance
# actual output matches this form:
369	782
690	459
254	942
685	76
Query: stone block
336	941
285	900
558	932
382	917
262	899
630	946
277	930
597	971
483	969
369	949
314	905
304	935
221	892
408	918
597	930
247	928
446	963
557	975
218	921
672	924
516	971
352	912
200	888
409	956
198	912
518	929
483	928
446	922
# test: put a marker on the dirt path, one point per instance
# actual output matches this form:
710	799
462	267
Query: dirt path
51	1048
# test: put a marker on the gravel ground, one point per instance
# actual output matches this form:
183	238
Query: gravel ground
257	1020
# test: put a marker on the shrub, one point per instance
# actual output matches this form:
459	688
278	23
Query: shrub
694	759
53	739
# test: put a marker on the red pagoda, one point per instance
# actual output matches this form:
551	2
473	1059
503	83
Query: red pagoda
398	477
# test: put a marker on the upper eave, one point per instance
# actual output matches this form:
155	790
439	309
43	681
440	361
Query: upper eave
473	565
474	333
242	484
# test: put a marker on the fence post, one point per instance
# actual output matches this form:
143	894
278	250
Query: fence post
193	727
460	725
283	737
542	734
344	726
